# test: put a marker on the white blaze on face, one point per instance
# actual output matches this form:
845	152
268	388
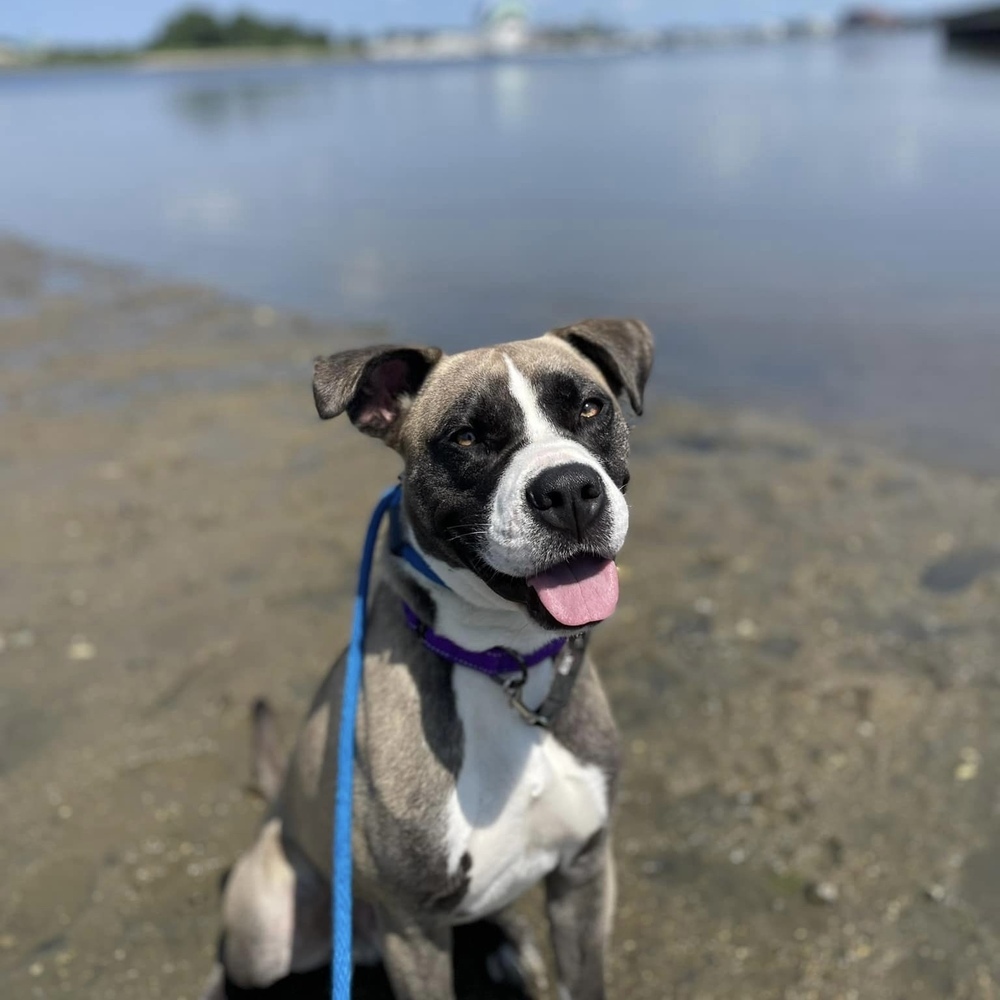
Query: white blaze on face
514	536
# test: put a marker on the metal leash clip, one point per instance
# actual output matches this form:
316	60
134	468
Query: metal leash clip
513	687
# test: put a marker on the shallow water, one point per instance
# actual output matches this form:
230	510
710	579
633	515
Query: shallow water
809	226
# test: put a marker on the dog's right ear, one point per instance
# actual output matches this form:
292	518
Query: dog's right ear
373	384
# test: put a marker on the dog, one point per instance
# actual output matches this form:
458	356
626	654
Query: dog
486	755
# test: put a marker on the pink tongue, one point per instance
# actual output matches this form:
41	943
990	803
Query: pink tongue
578	592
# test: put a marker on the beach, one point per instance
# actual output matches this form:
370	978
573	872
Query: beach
803	663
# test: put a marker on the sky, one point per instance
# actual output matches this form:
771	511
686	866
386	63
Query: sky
133	21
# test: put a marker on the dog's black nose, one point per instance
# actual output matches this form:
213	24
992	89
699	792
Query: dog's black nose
568	497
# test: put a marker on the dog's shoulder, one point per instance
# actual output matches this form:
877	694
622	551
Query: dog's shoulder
586	726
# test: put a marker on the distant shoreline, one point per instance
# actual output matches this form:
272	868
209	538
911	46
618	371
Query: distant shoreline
186	58
442	48
209	59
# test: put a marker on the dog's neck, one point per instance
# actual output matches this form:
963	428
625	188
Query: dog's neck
464	610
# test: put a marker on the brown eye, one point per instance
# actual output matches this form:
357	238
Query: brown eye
590	408
464	439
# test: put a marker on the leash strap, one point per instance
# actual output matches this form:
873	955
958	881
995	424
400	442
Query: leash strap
342	903
567	669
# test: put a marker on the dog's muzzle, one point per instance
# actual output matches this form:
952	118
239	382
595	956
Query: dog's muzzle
569	498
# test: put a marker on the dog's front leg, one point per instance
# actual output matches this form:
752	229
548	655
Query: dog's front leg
580	902
417	956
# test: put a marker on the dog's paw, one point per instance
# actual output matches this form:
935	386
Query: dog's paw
516	967
501	953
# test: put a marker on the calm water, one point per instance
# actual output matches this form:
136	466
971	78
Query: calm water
814	226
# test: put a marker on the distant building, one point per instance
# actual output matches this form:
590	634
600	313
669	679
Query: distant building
499	29
504	26
974	28
416	45
812	27
871	17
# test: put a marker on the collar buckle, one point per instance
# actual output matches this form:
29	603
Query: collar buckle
508	668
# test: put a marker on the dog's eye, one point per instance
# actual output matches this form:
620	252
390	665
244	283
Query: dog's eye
464	438
590	409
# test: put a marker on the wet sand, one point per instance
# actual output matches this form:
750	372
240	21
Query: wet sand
803	666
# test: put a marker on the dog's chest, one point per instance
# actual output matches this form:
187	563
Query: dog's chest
522	805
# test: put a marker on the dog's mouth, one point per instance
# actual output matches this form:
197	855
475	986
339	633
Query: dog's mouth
579	592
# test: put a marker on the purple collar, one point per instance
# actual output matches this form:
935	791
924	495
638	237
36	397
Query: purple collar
493	662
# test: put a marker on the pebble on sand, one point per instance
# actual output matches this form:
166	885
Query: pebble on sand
969	766
81	649
822	893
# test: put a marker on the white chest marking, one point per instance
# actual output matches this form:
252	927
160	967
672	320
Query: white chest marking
523	804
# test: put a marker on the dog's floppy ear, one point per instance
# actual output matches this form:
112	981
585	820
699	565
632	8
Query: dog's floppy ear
372	384
621	348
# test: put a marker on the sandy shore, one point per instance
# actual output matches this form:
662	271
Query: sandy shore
804	664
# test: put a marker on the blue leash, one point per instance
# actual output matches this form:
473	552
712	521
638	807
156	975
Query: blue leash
341	897
342	967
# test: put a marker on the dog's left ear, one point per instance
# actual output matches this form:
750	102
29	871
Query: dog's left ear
372	384
621	348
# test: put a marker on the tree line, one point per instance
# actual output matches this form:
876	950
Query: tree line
200	28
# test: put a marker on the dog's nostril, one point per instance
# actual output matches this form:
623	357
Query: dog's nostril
545	500
590	491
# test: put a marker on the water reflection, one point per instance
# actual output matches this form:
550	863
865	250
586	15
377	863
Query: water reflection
731	140
211	211
985	55
804	223
511	88
224	103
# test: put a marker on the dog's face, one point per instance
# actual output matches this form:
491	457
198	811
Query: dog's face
515	457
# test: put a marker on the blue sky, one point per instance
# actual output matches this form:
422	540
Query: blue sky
134	20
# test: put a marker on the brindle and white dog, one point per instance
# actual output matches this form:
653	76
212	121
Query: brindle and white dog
514	470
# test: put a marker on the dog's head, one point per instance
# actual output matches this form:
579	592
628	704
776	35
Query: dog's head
515	457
